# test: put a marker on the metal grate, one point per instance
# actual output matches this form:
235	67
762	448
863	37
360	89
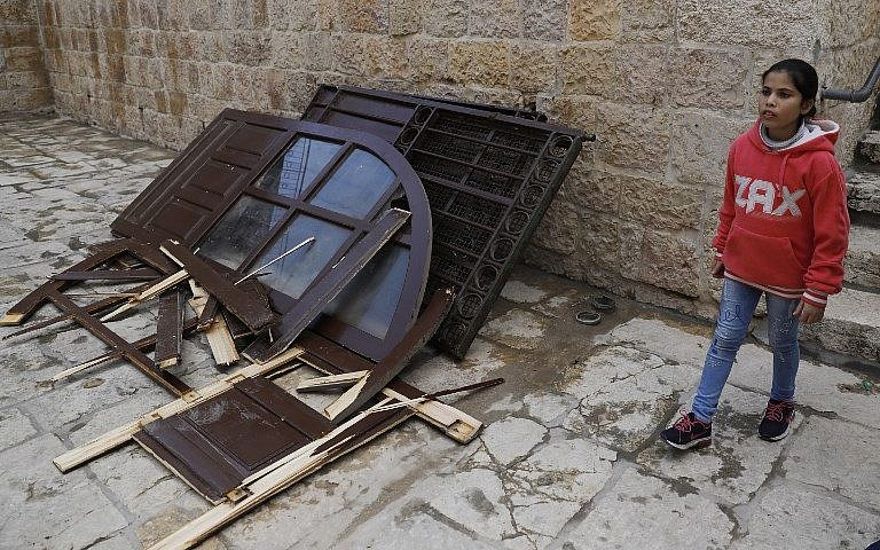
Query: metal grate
475	209
461	235
489	179
502	186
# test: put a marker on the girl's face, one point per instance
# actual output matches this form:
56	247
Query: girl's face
781	105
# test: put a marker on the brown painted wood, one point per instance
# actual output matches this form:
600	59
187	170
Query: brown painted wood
217	444
144	274
277	478
389	367
94	307
165	379
237	329
333	358
27	305
364	430
209	312
191	196
310	306
293	411
246	307
180	446
204	181
104	253
169	332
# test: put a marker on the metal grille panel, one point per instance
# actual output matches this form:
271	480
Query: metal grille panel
489	179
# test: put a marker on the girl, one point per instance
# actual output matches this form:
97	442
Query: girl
783	233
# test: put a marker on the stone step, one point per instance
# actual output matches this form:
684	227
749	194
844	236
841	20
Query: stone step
862	265
869	146
851	325
863	192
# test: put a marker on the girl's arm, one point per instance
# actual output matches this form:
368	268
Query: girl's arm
727	210
830	232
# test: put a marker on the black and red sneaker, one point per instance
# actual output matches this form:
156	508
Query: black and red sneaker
777	420
688	433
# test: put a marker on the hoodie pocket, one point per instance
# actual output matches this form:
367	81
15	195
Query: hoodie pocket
763	259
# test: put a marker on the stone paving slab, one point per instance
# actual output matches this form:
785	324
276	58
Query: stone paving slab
790	516
641	511
848	459
569	458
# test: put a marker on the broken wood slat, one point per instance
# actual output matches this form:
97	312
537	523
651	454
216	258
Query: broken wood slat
219	339
165	379
331	382
144	274
169	331
144	345
327	288
328	357
391	365
158	288
209	312
168	381
27	305
237	329
433	395
94	307
116	437
251	311
282	477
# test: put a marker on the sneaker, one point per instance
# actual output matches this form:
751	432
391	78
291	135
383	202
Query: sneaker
776	423
688	433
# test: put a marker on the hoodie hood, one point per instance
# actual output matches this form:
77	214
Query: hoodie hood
821	135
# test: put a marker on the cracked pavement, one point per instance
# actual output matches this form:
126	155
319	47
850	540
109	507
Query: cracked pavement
569	458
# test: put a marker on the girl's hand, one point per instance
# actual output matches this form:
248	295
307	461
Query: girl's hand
718	269
808	314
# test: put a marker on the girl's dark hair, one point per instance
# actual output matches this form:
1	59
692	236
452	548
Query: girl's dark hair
802	74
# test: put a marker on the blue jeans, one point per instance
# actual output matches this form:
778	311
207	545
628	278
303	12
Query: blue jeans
738	302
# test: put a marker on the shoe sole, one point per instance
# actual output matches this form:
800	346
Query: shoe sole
781	436
697	443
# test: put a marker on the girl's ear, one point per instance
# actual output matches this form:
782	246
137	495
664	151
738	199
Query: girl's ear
807	105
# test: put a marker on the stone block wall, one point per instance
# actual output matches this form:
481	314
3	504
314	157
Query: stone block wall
24	83
666	85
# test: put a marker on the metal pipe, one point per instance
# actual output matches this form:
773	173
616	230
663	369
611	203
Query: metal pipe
855	96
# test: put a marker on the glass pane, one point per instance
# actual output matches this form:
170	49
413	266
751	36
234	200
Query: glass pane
356	186
369	301
240	231
292	173
295	272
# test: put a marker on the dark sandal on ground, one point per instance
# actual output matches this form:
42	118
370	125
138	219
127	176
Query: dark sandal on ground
777	420
688	433
588	317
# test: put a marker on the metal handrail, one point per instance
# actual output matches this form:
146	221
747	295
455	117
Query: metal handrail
855	96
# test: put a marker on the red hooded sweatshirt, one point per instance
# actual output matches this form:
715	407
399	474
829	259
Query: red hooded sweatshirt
784	221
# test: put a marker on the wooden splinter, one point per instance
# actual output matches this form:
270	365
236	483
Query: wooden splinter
155	290
331	382
219	338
